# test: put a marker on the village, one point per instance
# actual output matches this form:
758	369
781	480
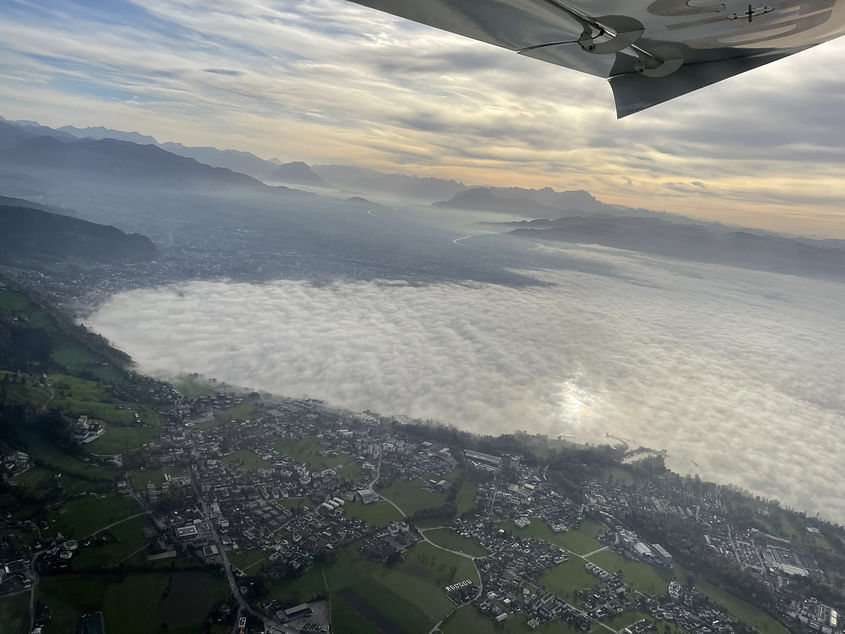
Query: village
271	488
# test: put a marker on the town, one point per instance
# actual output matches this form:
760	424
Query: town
304	506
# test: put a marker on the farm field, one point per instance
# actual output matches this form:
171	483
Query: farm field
245	459
447	538
580	540
307	451
136	603
377	513
410	497
85	514
405	597
565	579
642	576
14	614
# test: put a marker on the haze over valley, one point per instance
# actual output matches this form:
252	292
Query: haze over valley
470	311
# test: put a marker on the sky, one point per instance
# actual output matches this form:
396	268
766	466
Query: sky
328	81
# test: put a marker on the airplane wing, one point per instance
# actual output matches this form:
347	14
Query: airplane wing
650	50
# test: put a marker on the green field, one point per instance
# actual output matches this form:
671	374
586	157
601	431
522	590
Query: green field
246	459
377	513
346	619
565	579
128	543
247	560
51	458
642	576
9	300
192	386
14	614
408	496
294	503
83	515
783	524
447	538
581	540
408	595
135	604
621	621
441	568
77	397
746	612
466	494
307	451
141	478
242	411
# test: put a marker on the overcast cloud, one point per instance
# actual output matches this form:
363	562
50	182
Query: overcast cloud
737	372
330	81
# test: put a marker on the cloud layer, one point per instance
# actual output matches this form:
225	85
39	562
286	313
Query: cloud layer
330	81
738	374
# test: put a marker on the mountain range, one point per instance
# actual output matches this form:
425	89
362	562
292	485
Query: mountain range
703	242
60	156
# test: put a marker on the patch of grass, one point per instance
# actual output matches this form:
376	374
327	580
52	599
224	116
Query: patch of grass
14	614
466	494
437	566
408	496
73	356
88	513
581	540
142	477
565	579
128	539
347	619
51	458
293	503
447	538
193	386
409	594
746	612
621	621
642	576
133	604
247	460
35	480
786	525
242	411
9	300
377	513
307	451
78	397
409	616
247	559
429	599
189	597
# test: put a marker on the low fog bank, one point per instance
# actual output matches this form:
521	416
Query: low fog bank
737	373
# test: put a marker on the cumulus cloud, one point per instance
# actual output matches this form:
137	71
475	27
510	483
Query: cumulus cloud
736	373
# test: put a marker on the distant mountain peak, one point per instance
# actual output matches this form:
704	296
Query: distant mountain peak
296	172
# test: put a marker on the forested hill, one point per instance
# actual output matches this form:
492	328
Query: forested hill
31	233
36	338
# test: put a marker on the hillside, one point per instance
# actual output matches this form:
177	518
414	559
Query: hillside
27	232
